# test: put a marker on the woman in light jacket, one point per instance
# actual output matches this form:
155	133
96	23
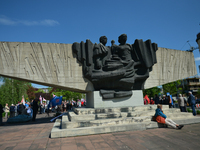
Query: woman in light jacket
162	118
7	110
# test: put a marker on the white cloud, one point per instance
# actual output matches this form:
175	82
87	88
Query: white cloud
46	22
6	21
197	59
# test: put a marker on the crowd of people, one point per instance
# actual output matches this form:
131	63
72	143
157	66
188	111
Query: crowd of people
183	102
36	106
26	108
164	100
69	105
31	108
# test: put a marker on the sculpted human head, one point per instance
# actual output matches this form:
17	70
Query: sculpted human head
122	39
103	40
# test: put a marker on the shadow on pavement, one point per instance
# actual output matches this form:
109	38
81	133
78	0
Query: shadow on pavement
40	119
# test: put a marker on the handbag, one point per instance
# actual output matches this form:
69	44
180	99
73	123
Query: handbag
153	118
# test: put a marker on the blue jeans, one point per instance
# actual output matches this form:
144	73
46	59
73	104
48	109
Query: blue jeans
193	109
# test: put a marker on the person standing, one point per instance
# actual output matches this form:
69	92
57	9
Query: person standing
32	104
152	101
181	103
185	102
1	111
164	100
21	108
7	110
169	101
35	108
160	100
12	111
64	106
192	102
156	99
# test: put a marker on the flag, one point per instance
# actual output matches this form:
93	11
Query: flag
56	101
40	99
148	100
23	101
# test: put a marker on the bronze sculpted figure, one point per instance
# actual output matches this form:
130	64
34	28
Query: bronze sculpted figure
117	70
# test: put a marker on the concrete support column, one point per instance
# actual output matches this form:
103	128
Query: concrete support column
95	100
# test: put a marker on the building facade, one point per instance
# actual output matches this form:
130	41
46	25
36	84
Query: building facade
191	84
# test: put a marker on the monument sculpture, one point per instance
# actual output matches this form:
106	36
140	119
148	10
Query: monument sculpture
117	70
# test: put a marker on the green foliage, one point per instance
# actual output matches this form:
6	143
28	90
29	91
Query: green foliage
198	93
11	91
3	114
39	91
198	111
68	95
31	92
189	110
151	92
172	87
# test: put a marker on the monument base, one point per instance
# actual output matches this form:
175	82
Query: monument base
87	121
95	100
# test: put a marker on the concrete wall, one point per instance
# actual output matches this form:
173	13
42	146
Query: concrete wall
95	100
54	65
43	63
172	65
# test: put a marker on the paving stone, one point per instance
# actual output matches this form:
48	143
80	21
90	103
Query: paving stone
155	139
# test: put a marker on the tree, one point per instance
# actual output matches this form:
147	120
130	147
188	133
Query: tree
68	95
11	91
31	92
172	87
151	92
198	93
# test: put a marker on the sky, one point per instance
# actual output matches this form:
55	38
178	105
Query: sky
171	24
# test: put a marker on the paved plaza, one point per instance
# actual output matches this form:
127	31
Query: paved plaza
35	136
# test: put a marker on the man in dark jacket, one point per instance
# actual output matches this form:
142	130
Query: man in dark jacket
1	111
35	108
192	102
21	108
12	111
156	99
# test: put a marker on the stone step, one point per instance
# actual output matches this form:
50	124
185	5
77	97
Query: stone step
182	115
111	115
103	122
85	111
119	120
88	117
151	112
56	132
74	117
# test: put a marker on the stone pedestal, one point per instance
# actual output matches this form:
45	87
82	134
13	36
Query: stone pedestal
95	100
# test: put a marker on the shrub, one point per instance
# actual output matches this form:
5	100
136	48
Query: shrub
189	110
3	114
198	111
